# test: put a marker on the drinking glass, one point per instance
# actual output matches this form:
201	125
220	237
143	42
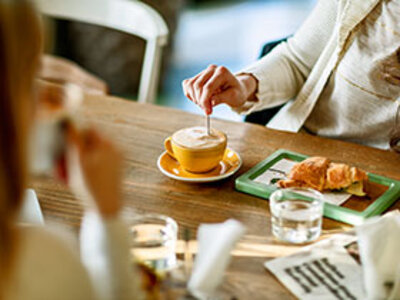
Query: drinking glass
153	238
296	214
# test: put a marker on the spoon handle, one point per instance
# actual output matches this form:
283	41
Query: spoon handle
208	125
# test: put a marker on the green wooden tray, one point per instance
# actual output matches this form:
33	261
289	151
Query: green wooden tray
246	184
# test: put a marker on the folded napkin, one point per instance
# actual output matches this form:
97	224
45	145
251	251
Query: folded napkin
379	246
30	213
215	243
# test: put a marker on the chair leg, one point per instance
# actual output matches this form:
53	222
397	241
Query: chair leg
150	73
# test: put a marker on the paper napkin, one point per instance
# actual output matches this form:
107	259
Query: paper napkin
215	243
379	246
30	213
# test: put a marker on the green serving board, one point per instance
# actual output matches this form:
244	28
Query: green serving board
246	184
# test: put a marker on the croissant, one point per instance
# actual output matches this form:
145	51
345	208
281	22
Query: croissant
321	174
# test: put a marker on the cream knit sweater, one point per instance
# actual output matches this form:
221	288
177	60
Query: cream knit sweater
332	68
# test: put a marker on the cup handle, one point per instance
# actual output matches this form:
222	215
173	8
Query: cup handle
168	147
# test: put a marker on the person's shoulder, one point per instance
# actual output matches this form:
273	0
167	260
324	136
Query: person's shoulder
48	239
52	254
46	249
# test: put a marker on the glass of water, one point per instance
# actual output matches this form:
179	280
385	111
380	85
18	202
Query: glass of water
153	241
296	214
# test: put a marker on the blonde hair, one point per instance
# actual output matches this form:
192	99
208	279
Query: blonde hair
20	44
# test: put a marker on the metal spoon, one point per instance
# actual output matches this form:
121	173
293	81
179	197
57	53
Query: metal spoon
208	125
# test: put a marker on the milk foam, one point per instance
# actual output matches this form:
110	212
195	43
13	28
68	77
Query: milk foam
197	137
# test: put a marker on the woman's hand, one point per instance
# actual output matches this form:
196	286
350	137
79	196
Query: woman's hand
100	166
55	97
391	69
216	85
59	70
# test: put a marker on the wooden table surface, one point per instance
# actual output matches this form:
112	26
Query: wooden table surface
140	130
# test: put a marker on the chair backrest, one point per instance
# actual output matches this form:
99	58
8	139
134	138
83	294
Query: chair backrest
130	16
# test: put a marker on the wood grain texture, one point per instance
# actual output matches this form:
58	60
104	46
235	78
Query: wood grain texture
140	129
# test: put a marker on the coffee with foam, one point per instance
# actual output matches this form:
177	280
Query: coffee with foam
197	138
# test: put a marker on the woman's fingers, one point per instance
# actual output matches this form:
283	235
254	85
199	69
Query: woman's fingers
192	87
392	74
56	69
86	140
214	85
213	80
392	79
391	69
394	71
188	87
96	170
73	135
202	80
91	139
49	95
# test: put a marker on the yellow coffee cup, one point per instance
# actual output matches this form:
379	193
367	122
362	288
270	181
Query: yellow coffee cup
195	151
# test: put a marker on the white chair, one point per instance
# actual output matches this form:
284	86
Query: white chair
130	16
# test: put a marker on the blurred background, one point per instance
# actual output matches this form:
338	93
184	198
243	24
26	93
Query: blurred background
202	32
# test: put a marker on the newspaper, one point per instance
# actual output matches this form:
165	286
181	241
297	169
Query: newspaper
281	168
324	270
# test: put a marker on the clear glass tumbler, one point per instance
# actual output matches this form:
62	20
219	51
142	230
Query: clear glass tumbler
296	214
153	240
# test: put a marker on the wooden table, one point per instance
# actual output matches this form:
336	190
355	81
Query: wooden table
140	130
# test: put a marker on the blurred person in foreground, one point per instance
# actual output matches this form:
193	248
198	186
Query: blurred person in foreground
35	262
338	76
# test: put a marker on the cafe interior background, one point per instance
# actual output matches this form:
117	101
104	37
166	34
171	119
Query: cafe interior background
202	32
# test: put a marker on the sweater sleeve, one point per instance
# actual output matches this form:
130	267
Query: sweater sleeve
282	73
105	253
